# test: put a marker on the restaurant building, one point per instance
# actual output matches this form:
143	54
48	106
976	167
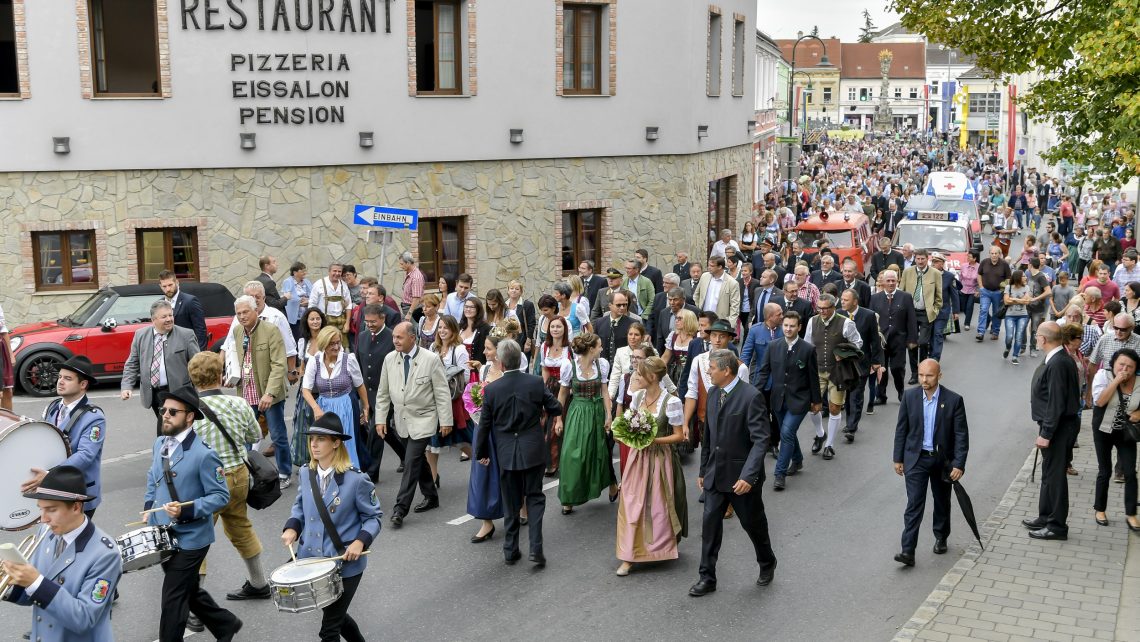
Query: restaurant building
198	135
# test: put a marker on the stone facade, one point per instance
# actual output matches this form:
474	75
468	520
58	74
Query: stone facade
512	213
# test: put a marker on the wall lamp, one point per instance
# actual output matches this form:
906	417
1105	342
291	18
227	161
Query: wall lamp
702	131
651	133
61	144
367	139
751	126
516	136
248	141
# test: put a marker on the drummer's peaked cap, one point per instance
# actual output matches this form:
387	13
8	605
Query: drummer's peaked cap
187	396
327	426
62	484
81	366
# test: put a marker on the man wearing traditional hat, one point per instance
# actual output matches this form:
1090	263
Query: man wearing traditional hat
84	424
74	570
187	481
721	334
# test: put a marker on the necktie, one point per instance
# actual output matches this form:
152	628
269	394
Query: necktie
762	302
60	544
156	362
171	444
723	396
60	414
324	483
407	367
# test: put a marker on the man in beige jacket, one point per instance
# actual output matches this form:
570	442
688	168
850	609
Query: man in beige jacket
413	380
924	283
718	292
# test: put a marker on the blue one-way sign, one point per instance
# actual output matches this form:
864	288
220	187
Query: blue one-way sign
391	217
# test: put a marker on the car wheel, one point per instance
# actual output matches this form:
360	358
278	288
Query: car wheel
38	373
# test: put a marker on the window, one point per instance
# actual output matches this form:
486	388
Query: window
913	93
827	94
174	248
64	260
985	103
714	60
851	94
722	197
441	248
863	93
9	70
124	47
581	238
898	93
438	54
581	49
737	57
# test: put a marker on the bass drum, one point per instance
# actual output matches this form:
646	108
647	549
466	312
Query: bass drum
25	443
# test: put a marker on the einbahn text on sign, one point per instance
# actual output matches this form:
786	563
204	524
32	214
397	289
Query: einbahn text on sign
390	217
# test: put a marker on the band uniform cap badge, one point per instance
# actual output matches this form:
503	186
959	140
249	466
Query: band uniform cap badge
220	475
100	591
96	433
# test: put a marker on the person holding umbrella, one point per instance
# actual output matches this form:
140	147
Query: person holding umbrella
932	440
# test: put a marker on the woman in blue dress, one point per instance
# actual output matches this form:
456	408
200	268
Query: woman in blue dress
312	321
484	499
333	375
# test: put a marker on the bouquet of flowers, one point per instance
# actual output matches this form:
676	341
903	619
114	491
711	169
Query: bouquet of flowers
635	428
473	399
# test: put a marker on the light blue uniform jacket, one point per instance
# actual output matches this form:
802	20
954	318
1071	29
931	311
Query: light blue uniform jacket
198	477
354	511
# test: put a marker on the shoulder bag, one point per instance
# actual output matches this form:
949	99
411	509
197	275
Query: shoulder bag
454	374
1131	428
1002	308
264	487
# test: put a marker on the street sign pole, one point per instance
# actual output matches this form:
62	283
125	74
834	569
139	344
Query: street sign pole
384	238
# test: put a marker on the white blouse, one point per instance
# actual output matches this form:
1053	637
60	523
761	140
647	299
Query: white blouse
555	360
456	356
674	410
622	363
318	362
602	366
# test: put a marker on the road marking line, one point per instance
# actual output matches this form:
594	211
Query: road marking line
127	457
466	518
47	400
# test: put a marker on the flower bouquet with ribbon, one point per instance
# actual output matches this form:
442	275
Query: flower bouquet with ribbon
635	428
473	399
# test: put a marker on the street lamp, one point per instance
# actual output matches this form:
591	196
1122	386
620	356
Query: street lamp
945	92
823	62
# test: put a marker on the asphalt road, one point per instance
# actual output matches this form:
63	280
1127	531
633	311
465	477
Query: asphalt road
835	531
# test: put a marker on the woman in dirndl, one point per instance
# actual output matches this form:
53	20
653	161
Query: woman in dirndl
554	351
449	348
311	322
484	497
7	367
333	375
584	464
547	309
428	325
653	511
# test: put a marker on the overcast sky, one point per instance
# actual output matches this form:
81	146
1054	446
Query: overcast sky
840	18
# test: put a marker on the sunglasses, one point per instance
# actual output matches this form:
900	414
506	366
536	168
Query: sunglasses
173	412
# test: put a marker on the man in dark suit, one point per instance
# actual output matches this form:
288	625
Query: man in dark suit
768	290
681	267
931	444
826	272
899	327
694	277
791	302
1054	401
188	312
663	324
886	256
268	266
798	255
591	283
872	362
613	329
373	343
660	301
653	274
511	409
771	261
748	284
851	281
792	370
732	469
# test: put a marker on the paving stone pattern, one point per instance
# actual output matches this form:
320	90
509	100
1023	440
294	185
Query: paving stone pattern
1023	589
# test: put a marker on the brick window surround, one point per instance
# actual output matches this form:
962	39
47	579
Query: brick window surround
18	19
28	271
610	52
606	232
471	86
470	257
87	75
132	260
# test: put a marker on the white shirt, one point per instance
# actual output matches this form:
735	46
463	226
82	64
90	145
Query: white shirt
718	248
601	371
68	408
180	437
318	297
343	360
1052	352
277	318
68	539
701	368
850	332
173	300
713	295
324	475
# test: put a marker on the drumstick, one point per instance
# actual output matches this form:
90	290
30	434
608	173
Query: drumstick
318	560
163	507
291	553
139	523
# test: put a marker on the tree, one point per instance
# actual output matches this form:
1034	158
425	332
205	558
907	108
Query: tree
868	30
815	31
1086	54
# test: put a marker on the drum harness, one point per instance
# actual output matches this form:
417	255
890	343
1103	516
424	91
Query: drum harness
76	415
323	510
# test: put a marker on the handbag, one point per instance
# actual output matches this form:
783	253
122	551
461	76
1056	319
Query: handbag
264	487
1002	308
455	382
1131	428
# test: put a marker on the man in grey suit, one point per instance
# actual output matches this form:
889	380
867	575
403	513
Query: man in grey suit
158	361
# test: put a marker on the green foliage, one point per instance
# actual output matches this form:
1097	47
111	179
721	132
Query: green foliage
868	29
1085	54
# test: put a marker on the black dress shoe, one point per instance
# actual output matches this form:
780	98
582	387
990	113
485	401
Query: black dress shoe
828	453
1046	533
1099	521
397	520
906	559
702	588
476	539
778	482
1033	524
228	637
247	592
871	409
766	577
794	468
881	401
539	560
426	505
512	558
849	436
816	445
194	625
940	546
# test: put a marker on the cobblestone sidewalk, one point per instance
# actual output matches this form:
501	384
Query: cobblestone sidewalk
1023	589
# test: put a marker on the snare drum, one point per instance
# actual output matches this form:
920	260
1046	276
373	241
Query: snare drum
306	585
24	444
146	547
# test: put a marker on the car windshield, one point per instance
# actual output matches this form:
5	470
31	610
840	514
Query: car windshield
80	316
130	309
837	238
948	238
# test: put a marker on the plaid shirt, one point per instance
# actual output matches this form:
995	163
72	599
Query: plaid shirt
810	293
413	286
241	424
1108	345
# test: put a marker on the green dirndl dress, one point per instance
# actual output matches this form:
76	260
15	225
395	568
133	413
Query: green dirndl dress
584	465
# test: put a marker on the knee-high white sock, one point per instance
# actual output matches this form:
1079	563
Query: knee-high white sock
256	572
832	428
817	421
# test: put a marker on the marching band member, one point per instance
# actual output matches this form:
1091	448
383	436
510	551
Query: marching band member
185	469
347	512
74	570
84	424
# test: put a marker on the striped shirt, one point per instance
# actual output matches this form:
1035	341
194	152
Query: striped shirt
241	424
